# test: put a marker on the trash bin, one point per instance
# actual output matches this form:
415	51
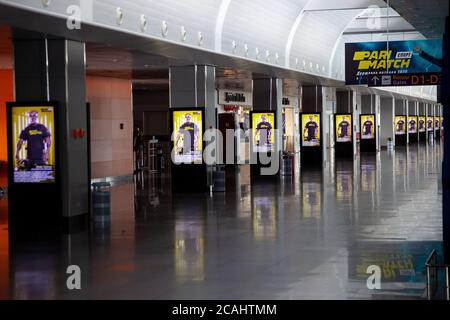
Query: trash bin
286	165
101	203
219	179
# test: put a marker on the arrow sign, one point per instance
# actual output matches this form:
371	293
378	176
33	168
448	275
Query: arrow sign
375	80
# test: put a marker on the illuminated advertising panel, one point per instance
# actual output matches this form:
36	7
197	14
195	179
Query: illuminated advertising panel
400	125
311	131
437	123
344	128
430	123
422	124
413	124
32	134
187	126
367	127
414	62
263	135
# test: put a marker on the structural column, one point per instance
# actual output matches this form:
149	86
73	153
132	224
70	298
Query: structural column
437	124
412	114
193	87
387	113
370	104
314	101
422	109
401	110
54	70
430	116
346	104
268	96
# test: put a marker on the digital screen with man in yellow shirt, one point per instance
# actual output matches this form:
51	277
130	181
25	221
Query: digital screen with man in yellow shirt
263	131
311	130
400	125
33	149
188	134
344	128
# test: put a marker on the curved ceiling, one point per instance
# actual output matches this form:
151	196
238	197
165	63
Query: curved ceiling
300	35
297	34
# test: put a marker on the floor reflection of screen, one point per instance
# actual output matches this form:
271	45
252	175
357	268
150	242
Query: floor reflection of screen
33	144
312	200
400	165
344	185
189	250
368	178
264	218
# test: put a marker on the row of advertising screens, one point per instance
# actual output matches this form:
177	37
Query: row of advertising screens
188	127
415	124
32	134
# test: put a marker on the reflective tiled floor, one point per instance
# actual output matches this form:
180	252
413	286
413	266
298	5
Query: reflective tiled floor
309	237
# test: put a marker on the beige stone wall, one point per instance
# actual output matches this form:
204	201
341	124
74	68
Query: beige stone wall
111	146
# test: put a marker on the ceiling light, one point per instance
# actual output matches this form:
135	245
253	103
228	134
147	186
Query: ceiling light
119	16
143	23
200	38
183	33
164	29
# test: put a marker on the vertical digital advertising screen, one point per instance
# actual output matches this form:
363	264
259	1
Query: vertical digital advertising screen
430	123
367	126
422	124
311	131
437	123
400	125
413	124
187	128
32	143
344	128
263	131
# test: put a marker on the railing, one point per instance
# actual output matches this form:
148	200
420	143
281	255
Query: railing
432	276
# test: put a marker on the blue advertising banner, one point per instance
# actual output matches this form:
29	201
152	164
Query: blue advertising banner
367	61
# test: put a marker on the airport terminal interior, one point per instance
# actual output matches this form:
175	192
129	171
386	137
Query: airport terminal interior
224	149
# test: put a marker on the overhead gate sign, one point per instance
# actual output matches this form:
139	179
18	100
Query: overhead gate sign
394	63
